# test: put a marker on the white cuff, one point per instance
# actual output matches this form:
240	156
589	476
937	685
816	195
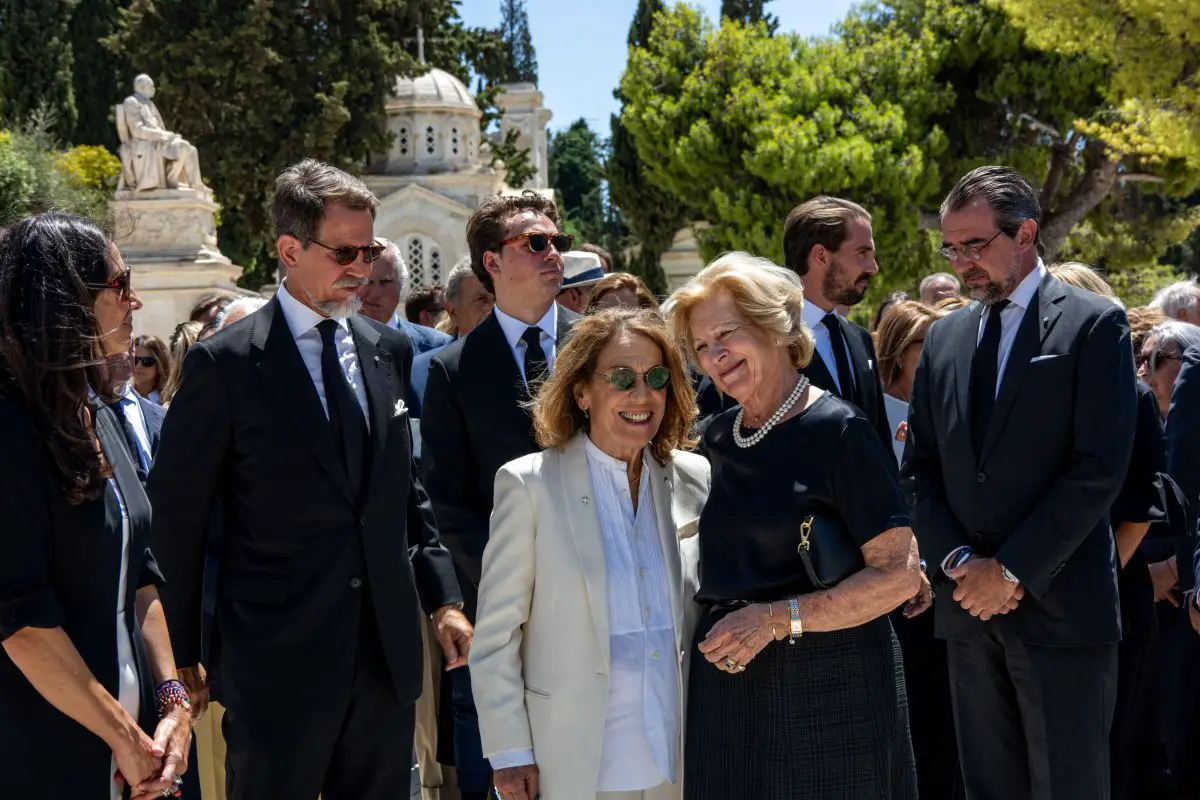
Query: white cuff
506	759
953	554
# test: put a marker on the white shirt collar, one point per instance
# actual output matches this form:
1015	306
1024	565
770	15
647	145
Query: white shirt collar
602	459
1023	295
513	328
300	318
394	322
812	314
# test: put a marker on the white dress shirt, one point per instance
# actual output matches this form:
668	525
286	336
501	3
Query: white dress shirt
133	412
641	726
302	321
814	317
513	330
129	693
1011	316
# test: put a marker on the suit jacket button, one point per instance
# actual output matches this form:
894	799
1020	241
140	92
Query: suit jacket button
980	477
362	521
356	583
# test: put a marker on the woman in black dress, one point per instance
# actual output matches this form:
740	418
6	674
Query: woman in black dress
81	625
800	693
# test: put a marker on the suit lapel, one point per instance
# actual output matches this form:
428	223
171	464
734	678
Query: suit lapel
965	342
1037	321
584	520
375	366
661	489
286	377
565	321
153	414
819	375
863	376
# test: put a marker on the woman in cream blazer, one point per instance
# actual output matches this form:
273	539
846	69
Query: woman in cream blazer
553	719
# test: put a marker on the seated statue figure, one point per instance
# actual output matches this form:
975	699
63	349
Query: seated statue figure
153	157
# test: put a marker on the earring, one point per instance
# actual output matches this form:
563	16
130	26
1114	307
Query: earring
585	414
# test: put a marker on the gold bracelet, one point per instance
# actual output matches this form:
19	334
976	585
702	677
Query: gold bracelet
771	617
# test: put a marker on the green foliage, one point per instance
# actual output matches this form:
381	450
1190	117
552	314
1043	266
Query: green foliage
101	77
576	170
91	166
258	86
36	62
739	127
518	165
35	176
749	12
522	58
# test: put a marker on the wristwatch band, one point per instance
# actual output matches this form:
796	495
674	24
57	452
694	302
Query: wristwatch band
795	624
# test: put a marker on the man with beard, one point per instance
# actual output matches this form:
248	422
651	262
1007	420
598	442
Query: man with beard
1021	427
827	241
294	420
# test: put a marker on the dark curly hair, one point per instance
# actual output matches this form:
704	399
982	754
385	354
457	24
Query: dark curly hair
50	267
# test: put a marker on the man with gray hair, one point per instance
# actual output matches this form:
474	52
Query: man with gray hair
386	285
1020	433
238	310
938	286
1180	300
296	423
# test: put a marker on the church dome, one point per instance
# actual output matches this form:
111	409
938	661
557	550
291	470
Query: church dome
435	88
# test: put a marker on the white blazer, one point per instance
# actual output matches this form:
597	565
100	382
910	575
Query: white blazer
540	660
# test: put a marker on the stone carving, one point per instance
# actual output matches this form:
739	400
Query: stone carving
153	157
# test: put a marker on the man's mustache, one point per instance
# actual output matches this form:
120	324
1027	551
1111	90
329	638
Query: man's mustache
974	273
350	283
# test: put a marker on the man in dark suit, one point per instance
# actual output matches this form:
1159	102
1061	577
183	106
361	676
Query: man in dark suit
1020	432
828	242
294	418
474	421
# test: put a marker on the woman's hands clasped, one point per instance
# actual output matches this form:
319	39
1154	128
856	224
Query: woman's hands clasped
516	783
738	638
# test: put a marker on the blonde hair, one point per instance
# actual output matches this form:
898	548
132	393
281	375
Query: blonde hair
905	324
616	281
185	335
158	349
1142	320
770	297
1081	276
948	304
557	417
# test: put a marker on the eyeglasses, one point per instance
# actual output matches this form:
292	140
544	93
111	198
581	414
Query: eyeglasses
623	378
119	284
972	252
1155	360
145	361
345	256
537	241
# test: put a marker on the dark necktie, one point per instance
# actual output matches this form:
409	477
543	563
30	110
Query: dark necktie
345	415
985	369
135	448
535	358
837	340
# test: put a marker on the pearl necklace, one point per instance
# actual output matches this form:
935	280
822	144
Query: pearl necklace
756	437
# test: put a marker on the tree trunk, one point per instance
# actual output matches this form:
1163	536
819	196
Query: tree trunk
1087	193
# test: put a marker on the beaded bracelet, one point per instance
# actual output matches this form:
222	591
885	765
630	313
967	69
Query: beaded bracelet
171	693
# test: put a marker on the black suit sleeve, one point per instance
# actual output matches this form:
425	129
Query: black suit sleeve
937	528
183	487
27	598
886	435
1183	456
432	565
1140	498
1103	421
448	474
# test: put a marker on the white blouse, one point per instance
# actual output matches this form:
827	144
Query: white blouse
128	688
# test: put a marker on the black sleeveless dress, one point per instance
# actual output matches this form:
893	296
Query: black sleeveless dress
827	716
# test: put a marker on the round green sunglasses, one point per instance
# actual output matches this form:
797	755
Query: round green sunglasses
623	378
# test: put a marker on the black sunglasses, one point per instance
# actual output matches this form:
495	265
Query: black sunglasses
119	284
1155	360
145	361
537	241
623	378
345	256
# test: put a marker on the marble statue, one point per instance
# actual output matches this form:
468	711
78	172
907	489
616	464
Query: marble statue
153	157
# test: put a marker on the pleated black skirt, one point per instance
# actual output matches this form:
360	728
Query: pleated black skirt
825	718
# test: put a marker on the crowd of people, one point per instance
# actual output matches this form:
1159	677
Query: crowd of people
563	539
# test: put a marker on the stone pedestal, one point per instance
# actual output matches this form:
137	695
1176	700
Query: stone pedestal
681	263
169	240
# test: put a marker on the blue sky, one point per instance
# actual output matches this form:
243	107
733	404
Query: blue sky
581	45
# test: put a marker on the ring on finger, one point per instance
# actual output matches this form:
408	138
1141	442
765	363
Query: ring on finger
730	664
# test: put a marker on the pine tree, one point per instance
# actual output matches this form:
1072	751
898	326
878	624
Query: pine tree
749	12
36	62
514	31
102	77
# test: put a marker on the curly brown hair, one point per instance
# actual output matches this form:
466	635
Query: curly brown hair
489	224
616	281
557	418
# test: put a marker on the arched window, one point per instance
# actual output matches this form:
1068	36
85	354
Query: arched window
424	259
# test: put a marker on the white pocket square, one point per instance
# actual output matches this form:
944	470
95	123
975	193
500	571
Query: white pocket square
1046	357
400	408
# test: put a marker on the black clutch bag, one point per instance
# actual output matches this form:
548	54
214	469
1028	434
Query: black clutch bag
829	553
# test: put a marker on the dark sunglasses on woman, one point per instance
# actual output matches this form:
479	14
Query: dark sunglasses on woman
118	284
623	378
145	361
